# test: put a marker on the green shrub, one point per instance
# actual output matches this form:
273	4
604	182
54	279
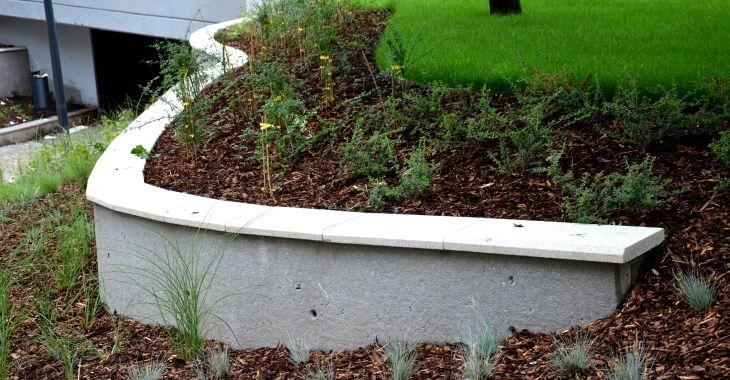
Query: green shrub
699	291
401	357
721	146
371	157
573	357
415	179
593	199
524	147
559	98
643	121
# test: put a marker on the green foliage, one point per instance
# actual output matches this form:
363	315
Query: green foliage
721	146
152	371
699	291
8	322
593	199
415	180
298	350
573	357
521	148
643	121
560	96
480	344
73	251
401	357
369	157
320	373
63	161
178	281
631	365
218	363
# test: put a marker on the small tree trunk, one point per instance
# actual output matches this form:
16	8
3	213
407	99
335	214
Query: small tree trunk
505	7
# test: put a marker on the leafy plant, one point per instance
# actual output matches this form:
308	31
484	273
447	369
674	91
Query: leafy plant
298	350
415	179
721	146
593	199
699	291
524	147
401	357
8	323
479	346
371	157
178	281
644	122
152	371
574	356
631	365
218	363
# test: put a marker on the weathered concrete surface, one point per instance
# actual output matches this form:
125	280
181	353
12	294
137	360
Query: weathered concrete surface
344	296
14	72
37	128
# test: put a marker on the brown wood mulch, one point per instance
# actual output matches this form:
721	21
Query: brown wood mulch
683	344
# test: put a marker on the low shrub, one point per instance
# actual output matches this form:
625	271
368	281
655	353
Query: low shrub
369	157
699	291
721	146
593	199
415	179
521	148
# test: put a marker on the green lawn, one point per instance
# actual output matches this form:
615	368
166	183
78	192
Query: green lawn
657	42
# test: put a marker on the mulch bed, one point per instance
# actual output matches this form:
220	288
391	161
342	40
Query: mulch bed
683	343
17	110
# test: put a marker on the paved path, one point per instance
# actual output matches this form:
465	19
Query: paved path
16	154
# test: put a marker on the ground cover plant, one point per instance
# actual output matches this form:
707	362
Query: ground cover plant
659	42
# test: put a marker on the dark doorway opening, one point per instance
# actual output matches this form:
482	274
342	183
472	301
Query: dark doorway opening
122	67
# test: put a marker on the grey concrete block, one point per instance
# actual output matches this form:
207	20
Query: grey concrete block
14	72
344	295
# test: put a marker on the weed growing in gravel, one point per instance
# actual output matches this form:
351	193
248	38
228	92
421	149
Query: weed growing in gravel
401	354
8	323
480	345
298	350
573	356
593	199
152	371
219	363
631	365
699	291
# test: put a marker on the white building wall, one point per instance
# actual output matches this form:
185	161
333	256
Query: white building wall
76	54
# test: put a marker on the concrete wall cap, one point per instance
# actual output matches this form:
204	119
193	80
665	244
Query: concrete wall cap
117	183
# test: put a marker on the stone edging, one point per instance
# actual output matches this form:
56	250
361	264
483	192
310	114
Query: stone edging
35	128
117	183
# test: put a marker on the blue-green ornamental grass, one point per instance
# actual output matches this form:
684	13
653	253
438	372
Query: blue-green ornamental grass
658	42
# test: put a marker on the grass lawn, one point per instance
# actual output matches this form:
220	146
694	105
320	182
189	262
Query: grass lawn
656	42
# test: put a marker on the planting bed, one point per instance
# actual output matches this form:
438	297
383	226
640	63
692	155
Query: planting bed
15	111
472	162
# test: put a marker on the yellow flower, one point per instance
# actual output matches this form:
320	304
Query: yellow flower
324	57
265	126
396	67
300	30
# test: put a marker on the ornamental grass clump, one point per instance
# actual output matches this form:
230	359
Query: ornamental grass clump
401	356
152	371
631	365
479	347
298	350
697	290
219	363
573	356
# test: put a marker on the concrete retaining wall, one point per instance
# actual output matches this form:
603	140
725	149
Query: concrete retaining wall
341	279
14	72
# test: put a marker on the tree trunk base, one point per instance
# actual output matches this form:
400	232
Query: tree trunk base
505	7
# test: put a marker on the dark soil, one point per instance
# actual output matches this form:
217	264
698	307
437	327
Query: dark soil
683	343
17	110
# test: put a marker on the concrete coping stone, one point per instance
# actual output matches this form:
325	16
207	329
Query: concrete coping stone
32	129
117	183
12	48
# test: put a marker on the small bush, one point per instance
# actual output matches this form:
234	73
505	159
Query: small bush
298	350
371	157
721	146
631	365
573	357
697	290
415	179
218	363
480	345
644	122
401	357
593	199
152	371
524	147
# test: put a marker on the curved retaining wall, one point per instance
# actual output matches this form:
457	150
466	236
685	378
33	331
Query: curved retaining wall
342	279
